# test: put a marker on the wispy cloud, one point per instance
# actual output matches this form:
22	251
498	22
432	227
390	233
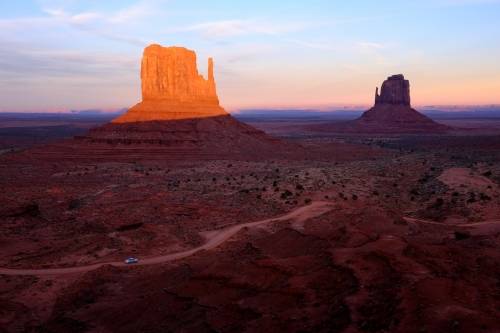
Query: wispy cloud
231	28
94	23
133	13
313	45
22	62
77	19
137	11
370	46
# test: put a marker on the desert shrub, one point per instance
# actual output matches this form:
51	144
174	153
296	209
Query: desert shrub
484	197
439	203
461	235
74	204
472	197
286	194
488	174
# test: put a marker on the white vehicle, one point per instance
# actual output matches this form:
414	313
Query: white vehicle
131	260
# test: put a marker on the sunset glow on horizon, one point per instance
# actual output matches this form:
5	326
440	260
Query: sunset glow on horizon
61	55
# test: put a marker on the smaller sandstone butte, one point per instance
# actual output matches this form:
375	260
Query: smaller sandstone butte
172	88
395	90
392	113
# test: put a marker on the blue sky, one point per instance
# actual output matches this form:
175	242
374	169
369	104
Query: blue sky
57	55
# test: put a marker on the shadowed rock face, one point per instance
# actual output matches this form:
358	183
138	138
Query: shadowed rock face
393	113
172	88
395	90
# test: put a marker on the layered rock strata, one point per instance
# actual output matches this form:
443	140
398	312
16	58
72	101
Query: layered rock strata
172	88
180	112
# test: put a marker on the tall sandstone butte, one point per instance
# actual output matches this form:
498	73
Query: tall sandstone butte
179	116
172	88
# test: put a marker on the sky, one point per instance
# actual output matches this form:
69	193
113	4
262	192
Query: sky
59	55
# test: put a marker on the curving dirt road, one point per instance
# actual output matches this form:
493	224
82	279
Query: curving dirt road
215	239
475	229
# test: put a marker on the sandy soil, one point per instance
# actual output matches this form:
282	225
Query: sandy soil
457	177
402	240
213	239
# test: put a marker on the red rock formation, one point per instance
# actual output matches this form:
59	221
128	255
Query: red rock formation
393	113
172	88
180	114
395	90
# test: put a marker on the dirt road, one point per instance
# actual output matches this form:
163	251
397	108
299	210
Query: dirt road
475	229
215	238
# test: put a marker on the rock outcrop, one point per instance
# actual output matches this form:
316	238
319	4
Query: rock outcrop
172	88
180	114
170	73
391	114
395	91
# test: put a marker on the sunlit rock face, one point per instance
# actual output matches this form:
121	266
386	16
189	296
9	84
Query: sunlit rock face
172	88
170	73
180	116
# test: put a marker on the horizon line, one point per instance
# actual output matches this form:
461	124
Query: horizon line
320	108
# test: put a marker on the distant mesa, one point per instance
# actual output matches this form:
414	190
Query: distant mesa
392	113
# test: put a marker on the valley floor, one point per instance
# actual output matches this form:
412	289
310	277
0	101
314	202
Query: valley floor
403	239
